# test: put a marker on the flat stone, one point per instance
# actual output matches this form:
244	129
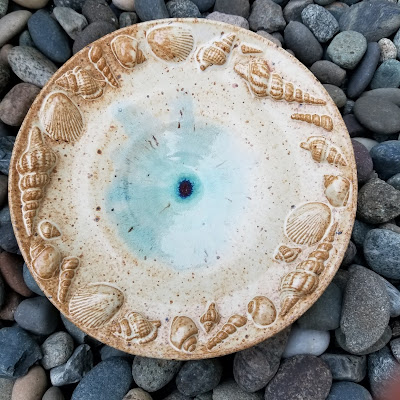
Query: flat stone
199	376
204	5
229	19
183	9
346	367
10	305
387	75
366	309
268	36
6	387
99	11
337	95
293	9
388	94
6	147
337	9
386	158
349	391
137	394
19	351
11	266
388	49
72	22
300	377
394	181
74	4
353	126
12	24
267	16
8	242
363	161
394	299
4	76
254	367
32	386
54	393
234	7
57	349
230	390
33	4
92	32
30	281
328	72
107	352
125	5
382	252
375	19
25	39
127	19
3	11
148	10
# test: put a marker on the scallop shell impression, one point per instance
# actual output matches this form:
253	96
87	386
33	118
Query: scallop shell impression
48	230
46	259
308	223
94	305
262	311
337	189
171	43
126	51
61	118
183	334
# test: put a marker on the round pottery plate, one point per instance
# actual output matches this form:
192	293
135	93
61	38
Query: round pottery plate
183	189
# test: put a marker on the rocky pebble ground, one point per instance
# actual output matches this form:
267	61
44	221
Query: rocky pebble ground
347	346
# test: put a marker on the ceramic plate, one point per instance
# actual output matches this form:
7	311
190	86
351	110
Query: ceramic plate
183	189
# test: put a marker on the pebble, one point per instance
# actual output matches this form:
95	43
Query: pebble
30	65
389	94
394	181
2	292
382	252
176	395
30	281
353	126
320	22
382	367
337	9
8	242
25	39
346	367
347	49
349	255
32	386
148	10
137	394
91	33
74	4
293	9
57	349
34	4
78	335
386	158
151	374
6	147
229	19
3	7
11	267
388	49
234	7
127	19
394	298
54	393
108	380
230	390
266	16
325	313
387	75
363	161
366	142
4	54
348	391
12	24
204	5
183	9
395	348
336	94
328	72
199	376
300	377
6	387
16	103
254	367
19	351
4	189
72	22
125	5
4	76
99	11
11	303
37	315
303	43
268	36
366	309
375	19
79	364
108	352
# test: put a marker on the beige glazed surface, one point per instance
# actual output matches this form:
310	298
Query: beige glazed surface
183	189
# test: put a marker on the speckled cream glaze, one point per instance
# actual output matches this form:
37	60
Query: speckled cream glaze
107	234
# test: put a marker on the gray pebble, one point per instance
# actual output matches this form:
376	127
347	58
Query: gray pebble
204	5
57	349
108	352
12	24
4	76
91	33
72	22
337	9
364	162
267	16
230	390
98	10
388	49
337	95
234	7
395	348
176	395
353	126
6	147
388	94
127	19
394	181
3	189
349	255
6	385
2	292
74	4
3	8
348	391
25	39
8	242
78	335
366	142
30	281
183	9
229	19
54	393
346	367
387	75
293	9
394	299
328	72
390	227
268	36
204	396
151	9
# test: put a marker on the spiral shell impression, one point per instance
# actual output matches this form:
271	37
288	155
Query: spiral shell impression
337	190
61	118
48	230
183	334
94	305
45	259
324	121
171	43
68	269
215	53
262	311
210	318
80	82
126	50
100	63
323	151
287	254
135	327
263	82
248	49
34	168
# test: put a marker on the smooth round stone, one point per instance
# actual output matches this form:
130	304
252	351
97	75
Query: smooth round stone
78	335
346	367
395	348
320	22
204	5
125	5
234	7
390	227
19	351
353	126
324	2
337	9
11	266
8	242
183	9
388	94
98	10
364	72
34	4
394	181
336	94
6	147
388	49
25	39
4	55
365	310
324	314
229	19
230	390
386	158
32	386
57	349
387	75
11	303
363	159
54	393
349	255
300	377
12	24
254	367
148	10
348	391
268	36
347	49
394	299
74	4
366	142
72	22
382	252
293	9
375	19
137	394
2	292
30	65
3	7
199	376
4	76
127	19
151	374
91	33
30	281
176	395
328	72
3	189
107	352
16	103
267	16
108	380
378	202
37	315
6	387
303	43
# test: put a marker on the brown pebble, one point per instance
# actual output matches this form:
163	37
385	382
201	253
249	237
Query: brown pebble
12	302
31	386
137	394
4	53
54	393
11	268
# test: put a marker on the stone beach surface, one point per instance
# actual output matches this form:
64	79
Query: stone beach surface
347	345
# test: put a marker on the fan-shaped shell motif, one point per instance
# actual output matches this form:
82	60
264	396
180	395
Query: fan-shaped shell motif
61	118
262	311
183	334
48	230
337	190
308	223
94	305
171	43
126	50
45	259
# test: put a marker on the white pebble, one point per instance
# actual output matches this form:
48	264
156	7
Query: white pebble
388	49
125	5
